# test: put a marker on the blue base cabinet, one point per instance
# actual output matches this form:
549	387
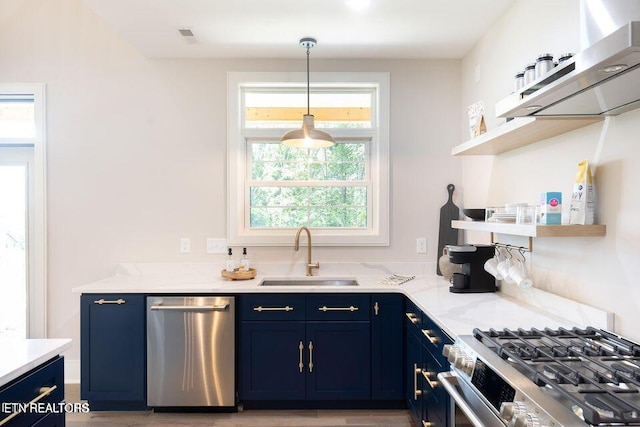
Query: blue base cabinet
387	347
45	383
309	348
271	360
339	361
112	347
426	398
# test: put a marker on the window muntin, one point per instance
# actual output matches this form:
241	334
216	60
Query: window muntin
290	187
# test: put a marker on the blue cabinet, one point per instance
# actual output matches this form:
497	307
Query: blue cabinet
413	369
387	346
112	346
272	360
271	354
339	360
321	352
44	383
426	398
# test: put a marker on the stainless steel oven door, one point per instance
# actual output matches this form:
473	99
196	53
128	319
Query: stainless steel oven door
467	409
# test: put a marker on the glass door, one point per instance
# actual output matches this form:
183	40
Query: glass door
14	241
22	212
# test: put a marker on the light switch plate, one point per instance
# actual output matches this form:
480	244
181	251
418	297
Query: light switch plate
421	245
216	245
185	245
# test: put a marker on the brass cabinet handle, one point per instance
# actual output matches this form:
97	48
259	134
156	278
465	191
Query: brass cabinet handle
44	392
416	372
106	301
325	308
300	364
433	384
376	308
261	308
310	356
412	317
428	424
432	340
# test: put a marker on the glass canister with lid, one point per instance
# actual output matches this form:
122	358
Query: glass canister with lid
518	83
529	73
544	63
564	57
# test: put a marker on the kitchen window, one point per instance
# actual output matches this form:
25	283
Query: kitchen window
340	192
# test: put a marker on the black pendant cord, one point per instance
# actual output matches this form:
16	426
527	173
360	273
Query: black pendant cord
308	90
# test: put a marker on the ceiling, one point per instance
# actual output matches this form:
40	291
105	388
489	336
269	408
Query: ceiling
272	28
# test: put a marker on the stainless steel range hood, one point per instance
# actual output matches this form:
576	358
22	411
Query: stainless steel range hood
603	79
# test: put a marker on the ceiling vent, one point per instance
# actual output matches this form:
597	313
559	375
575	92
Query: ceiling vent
187	35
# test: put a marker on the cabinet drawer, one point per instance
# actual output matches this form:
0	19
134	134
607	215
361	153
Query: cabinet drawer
31	386
272	307
435	339
338	307
430	370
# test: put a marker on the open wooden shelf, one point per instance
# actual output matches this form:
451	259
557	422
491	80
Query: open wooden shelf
519	132
531	230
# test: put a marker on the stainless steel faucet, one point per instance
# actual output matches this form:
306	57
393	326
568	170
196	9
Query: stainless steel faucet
296	246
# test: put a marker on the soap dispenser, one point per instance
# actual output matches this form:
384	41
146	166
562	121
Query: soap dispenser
244	262
230	264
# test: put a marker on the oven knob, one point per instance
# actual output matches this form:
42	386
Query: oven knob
524	420
510	410
507	410
453	353
464	363
446	349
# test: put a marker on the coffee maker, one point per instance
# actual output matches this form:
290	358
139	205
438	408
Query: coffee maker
473	277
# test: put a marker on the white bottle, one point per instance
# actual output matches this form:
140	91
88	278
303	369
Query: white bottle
230	264
244	262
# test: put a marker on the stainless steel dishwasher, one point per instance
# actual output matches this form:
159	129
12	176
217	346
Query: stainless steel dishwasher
190	351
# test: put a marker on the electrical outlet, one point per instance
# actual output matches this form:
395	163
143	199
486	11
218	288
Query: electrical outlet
185	245
216	246
421	245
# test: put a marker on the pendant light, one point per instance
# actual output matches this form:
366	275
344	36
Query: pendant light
308	136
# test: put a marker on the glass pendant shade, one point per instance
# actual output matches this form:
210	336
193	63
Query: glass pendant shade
308	136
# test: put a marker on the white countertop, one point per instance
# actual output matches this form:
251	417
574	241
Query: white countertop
18	356
456	314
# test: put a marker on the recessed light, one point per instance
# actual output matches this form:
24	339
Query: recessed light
533	107
358	4
614	68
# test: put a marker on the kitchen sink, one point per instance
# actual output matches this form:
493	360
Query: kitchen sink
309	282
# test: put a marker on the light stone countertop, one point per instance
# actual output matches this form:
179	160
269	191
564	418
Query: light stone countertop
19	356
456	314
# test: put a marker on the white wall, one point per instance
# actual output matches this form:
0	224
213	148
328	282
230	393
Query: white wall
136	148
600	271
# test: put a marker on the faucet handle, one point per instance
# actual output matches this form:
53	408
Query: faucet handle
310	268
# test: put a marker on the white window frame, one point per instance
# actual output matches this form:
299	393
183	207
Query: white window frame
238	230
37	255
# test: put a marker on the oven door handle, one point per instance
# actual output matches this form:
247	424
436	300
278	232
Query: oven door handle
449	381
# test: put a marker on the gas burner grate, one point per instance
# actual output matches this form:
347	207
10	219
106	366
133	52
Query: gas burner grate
596	370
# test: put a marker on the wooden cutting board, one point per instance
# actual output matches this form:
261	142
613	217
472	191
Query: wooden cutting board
447	235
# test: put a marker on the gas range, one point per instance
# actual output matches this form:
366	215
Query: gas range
552	377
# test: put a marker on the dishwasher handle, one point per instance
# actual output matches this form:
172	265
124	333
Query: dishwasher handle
221	307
